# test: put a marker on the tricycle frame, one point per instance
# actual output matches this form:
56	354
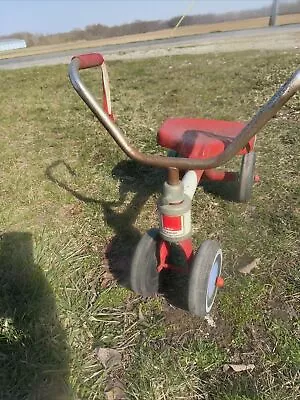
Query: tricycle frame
174	206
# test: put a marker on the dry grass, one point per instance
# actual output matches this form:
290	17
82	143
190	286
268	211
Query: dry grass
67	192
167	33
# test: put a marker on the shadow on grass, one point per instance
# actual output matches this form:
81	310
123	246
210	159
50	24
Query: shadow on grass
33	351
143	181
225	190
133	177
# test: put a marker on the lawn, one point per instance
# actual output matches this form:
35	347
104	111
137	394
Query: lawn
72	207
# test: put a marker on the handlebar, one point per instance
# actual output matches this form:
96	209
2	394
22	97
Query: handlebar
265	113
90	60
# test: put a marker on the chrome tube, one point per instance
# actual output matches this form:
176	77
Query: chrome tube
254	125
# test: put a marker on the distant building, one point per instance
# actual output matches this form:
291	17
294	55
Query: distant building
12	44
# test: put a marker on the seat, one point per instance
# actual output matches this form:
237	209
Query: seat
200	138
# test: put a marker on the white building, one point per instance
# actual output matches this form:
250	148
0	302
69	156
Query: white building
12	44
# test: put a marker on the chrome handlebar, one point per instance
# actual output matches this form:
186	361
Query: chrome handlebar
266	112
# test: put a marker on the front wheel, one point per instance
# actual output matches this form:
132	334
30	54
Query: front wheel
205	278
144	277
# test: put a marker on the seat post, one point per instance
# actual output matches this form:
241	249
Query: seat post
173	176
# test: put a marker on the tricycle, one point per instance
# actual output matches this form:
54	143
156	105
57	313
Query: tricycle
198	147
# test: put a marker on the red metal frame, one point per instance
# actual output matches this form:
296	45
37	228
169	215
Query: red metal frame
220	176
203	138
200	138
164	252
197	138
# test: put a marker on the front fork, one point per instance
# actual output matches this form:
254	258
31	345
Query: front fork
175	250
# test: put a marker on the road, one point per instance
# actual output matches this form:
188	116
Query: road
277	38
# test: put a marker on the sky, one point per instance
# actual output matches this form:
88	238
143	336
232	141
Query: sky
44	16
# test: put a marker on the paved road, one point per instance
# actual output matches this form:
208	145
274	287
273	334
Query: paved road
63	57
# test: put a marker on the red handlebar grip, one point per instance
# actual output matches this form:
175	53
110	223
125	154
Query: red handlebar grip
89	60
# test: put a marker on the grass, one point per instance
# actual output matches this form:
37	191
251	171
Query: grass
72	207
251	23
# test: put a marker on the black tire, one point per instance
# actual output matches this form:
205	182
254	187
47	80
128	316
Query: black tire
246	177
144	278
206	268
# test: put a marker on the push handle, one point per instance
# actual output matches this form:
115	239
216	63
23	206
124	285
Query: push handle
268	111
89	60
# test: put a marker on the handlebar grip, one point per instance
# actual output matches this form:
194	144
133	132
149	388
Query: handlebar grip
89	60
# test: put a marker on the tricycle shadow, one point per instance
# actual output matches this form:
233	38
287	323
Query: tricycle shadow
224	190
143	181
33	346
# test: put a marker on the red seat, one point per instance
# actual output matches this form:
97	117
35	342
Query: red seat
200	138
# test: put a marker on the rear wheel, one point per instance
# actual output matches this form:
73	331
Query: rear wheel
246	177
204	278
144	278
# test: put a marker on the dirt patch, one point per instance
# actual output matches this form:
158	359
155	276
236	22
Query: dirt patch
182	324
71	210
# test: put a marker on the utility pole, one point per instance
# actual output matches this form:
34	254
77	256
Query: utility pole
189	9
274	12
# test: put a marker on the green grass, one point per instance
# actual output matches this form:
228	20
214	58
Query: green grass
67	192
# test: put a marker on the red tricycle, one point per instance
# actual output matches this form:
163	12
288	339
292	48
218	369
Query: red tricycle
199	146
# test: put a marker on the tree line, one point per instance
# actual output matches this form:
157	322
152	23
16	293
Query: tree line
100	31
